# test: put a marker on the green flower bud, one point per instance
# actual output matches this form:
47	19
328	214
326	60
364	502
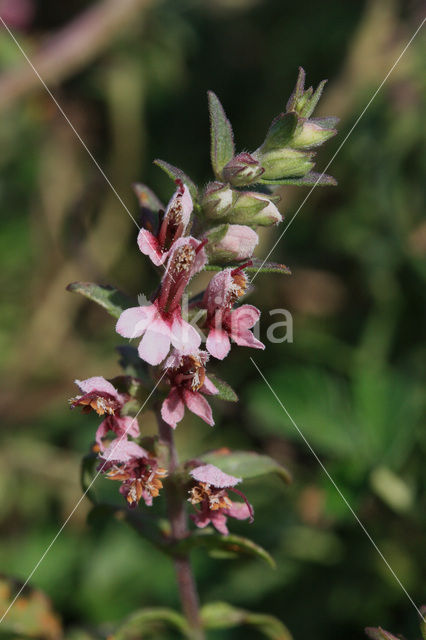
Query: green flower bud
230	243
242	170
312	133
255	209
217	200
285	163
301	101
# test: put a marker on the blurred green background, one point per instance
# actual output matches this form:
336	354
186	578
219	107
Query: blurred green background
354	376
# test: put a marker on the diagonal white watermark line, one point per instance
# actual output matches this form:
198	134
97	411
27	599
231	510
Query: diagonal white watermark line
323	467
339	148
52	542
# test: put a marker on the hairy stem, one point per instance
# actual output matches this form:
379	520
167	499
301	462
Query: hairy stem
178	521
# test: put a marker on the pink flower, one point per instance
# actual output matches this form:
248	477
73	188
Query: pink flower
172	227
139	473
224	324
101	396
187	377
210	493
161	322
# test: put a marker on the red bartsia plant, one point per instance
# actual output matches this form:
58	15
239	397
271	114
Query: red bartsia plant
212	229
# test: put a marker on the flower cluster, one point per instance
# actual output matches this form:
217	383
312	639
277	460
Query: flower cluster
215	227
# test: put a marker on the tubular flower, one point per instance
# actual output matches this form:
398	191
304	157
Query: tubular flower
222	322
139	473
211	494
161	322
101	396
172	226
187	377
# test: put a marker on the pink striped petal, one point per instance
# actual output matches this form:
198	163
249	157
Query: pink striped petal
208	387
245	317
154	346
123	450
239	510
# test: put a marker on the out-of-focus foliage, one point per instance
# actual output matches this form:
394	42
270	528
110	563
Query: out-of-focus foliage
352	379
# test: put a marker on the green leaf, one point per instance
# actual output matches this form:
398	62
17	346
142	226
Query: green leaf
226	392
280	132
177	174
232	544
258	266
246	464
220	615
111	299
147	198
310	179
31	615
152	622
222	148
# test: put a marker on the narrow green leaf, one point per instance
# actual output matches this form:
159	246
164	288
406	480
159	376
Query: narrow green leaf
258	266
310	179
111	299
226	392
222	148
235	545
220	615
152	621
280	132
177	174
246	464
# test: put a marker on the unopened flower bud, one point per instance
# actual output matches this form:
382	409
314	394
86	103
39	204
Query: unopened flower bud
230	243
312	133
242	170
255	209
217	200
285	163
304	102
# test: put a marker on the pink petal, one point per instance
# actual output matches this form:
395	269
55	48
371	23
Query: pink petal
245	317
239	510
218	343
208	387
198	405
133	322
173	408
150	246
123	450
246	339
218	520
184	336
97	384
200	519
155	344
216	293
212	475
126	425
